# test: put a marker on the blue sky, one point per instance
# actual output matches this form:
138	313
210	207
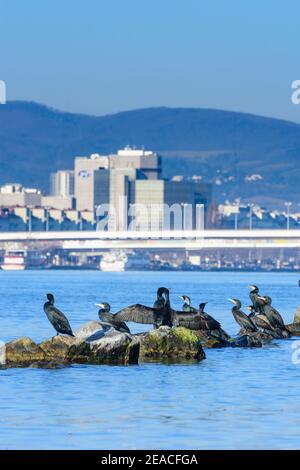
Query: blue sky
100	57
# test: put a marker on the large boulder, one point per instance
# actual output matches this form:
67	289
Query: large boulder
170	344
297	317
94	343
247	341
66	349
22	352
294	328
208	340
92	331
115	348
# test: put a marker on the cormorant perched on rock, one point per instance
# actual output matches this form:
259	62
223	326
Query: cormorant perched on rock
259	320
256	299
200	320
187	306
167	316
274	316
241	318
57	318
107	317
159	315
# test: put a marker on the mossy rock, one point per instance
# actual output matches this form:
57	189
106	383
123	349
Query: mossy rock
66	349
294	329
171	344
23	351
297	317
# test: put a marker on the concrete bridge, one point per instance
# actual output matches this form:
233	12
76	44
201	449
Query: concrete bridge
188	239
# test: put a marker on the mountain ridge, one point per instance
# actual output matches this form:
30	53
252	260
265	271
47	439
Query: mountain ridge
36	139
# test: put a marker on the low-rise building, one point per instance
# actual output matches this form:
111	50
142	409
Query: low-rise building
14	194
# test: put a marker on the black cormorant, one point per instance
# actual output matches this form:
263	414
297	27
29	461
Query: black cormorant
160	298
167	316
159	315
256	299
259	319
106	316
187	306
57	318
241	318
274	316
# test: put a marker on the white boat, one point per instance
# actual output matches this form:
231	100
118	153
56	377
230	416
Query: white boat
113	262
13	261
118	261
138	262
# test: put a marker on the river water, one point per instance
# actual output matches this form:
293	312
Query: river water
235	399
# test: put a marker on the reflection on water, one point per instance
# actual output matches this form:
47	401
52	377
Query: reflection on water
236	398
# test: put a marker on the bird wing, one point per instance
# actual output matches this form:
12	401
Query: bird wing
249	321
262	320
195	321
60	319
136	313
278	316
212	324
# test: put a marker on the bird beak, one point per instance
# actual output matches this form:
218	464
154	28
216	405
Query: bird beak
99	305
251	287
232	301
248	308
181	297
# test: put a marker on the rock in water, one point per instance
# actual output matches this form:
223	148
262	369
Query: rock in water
209	341
115	348
22	352
92	330
246	341
294	328
297	317
171	344
95	344
66	349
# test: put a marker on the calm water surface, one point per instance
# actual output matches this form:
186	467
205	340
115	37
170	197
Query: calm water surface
235	399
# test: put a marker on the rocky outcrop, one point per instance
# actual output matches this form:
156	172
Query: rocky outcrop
297	316
170	344
209	341
94	343
253	340
23	351
99	343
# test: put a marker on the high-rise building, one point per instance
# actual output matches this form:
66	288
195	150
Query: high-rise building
91	181
159	203
148	163
62	183
132	177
